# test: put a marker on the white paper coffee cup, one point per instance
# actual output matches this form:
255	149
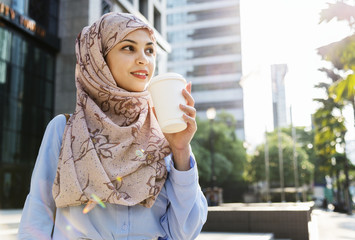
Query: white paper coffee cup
166	92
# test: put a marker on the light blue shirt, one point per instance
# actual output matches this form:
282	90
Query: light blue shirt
178	213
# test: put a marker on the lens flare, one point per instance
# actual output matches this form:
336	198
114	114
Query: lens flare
140	153
89	206
98	200
92	203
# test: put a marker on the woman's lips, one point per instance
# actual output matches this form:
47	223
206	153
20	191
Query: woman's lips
142	74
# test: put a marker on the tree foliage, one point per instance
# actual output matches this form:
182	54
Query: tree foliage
341	54
256	167
340	11
229	153
328	119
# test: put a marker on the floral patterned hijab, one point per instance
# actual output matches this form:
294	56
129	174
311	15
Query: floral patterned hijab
112	145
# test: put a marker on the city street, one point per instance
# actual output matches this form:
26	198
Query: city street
333	226
325	225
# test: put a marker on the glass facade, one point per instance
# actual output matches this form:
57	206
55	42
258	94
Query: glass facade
206	15
27	68
45	13
206	48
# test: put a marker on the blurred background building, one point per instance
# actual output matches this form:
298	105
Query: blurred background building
37	69
206	49
29	44
278	72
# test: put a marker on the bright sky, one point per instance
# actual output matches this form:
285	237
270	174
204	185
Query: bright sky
287	32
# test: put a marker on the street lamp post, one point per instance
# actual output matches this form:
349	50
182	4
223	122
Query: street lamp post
211	114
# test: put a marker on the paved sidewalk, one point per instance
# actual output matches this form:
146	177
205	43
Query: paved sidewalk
9	222
333	225
234	236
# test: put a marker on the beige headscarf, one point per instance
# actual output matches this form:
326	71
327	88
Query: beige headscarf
112	145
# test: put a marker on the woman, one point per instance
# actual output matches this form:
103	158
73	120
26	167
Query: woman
109	172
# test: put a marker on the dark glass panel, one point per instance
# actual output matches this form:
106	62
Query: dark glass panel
16	50
157	20
10	143
143	7
49	67
13	119
16	82
45	13
3	73
105	6
48	95
5	44
53	9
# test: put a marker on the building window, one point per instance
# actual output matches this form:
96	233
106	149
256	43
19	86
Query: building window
45	13
106	6
143	7
157	20
19	5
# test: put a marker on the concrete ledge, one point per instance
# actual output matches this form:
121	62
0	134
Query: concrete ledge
284	220
234	236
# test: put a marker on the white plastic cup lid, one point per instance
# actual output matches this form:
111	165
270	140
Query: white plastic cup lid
168	75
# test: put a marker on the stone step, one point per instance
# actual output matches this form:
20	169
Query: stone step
8	231
234	236
9	223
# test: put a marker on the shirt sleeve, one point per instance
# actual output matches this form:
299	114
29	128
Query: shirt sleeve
187	208
39	209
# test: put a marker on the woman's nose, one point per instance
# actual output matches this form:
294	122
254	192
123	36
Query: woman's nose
142	59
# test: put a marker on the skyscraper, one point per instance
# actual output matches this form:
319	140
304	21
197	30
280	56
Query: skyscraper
278	72
206	49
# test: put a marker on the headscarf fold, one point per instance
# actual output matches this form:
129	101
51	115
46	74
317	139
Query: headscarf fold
112	145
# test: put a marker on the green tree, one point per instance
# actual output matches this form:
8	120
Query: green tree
330	130
229	153
341	54
255	171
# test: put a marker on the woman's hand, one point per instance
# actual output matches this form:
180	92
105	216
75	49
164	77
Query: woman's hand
180	142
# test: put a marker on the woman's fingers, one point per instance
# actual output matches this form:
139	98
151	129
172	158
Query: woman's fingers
188	97
188	87
191	122
189	110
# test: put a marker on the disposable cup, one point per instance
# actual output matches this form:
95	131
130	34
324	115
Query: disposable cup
166	92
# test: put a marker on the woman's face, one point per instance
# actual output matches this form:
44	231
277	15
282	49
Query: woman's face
132	61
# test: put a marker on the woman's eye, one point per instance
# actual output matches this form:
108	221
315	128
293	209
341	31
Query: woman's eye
129	48
150	50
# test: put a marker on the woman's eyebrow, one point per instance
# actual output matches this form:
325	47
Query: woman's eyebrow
128	40
134	42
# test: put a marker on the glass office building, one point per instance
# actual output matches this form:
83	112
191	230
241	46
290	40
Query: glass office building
28	46
206	49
